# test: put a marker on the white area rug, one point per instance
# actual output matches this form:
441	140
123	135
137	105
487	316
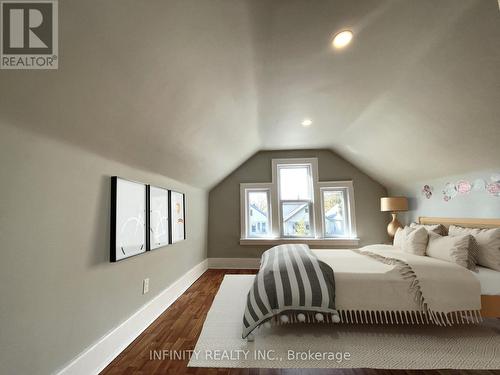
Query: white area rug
337	346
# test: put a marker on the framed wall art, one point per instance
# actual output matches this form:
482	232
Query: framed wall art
158	217
177	216
129	219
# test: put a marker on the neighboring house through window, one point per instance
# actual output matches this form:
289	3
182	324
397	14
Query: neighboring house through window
258	219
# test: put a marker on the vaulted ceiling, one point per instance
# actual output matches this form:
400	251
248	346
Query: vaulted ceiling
191	88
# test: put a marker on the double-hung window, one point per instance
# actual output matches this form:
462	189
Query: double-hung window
296	206
295	195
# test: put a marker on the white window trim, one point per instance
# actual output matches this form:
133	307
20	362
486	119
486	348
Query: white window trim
275	197
247	187
313	163
325	185
317	219
308	241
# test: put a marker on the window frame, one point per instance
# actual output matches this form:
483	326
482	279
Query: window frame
245	189
347	188
316	208
312	165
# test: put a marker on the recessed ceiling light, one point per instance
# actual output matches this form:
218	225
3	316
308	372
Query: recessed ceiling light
306	122
342	39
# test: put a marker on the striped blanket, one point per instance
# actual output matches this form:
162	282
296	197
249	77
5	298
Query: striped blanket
292	284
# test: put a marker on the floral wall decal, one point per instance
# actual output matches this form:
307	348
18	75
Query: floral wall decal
494	187
427	191
479	185
464	187
449	192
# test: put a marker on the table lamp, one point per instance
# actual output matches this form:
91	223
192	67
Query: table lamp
393	205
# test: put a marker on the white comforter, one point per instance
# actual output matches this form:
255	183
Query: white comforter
381	278
360	279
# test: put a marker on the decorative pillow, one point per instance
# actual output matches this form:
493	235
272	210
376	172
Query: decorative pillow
473	254
454	249
436	228
399	238
411	240
488	244
416	241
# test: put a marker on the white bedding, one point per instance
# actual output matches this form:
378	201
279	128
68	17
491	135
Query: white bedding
338	259
364	277
489	280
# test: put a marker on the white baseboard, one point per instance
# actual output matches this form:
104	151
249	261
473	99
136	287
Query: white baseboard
234	263
95	358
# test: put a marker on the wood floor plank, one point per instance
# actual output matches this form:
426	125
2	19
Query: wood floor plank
179	327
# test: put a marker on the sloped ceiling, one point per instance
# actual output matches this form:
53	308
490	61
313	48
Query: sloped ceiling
416	95
191	88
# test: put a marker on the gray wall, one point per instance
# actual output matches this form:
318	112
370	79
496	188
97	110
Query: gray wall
59	293
476	204
224	201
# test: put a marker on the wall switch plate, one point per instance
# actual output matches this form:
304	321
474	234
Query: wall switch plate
145	286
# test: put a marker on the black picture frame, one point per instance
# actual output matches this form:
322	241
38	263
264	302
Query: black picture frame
118	187
153	244
173	199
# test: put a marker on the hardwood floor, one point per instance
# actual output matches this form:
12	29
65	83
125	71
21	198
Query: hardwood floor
179	326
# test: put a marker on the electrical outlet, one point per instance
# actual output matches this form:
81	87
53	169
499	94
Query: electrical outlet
145	286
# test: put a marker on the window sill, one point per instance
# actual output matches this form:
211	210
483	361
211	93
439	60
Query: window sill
307	241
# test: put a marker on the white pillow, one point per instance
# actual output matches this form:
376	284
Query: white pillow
399	238
454	249
488	244
411	240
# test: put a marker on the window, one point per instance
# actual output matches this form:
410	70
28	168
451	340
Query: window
296	205
335	213
257	207
295	200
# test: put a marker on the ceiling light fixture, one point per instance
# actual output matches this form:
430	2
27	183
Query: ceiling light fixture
342	39
306	122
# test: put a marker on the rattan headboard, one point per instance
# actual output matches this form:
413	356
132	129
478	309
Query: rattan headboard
469	223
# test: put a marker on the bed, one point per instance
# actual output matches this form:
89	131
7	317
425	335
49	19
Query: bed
379	284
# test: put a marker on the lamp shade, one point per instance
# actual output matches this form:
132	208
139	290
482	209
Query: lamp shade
393	204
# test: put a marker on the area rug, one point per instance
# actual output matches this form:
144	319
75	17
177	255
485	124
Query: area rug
337	346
